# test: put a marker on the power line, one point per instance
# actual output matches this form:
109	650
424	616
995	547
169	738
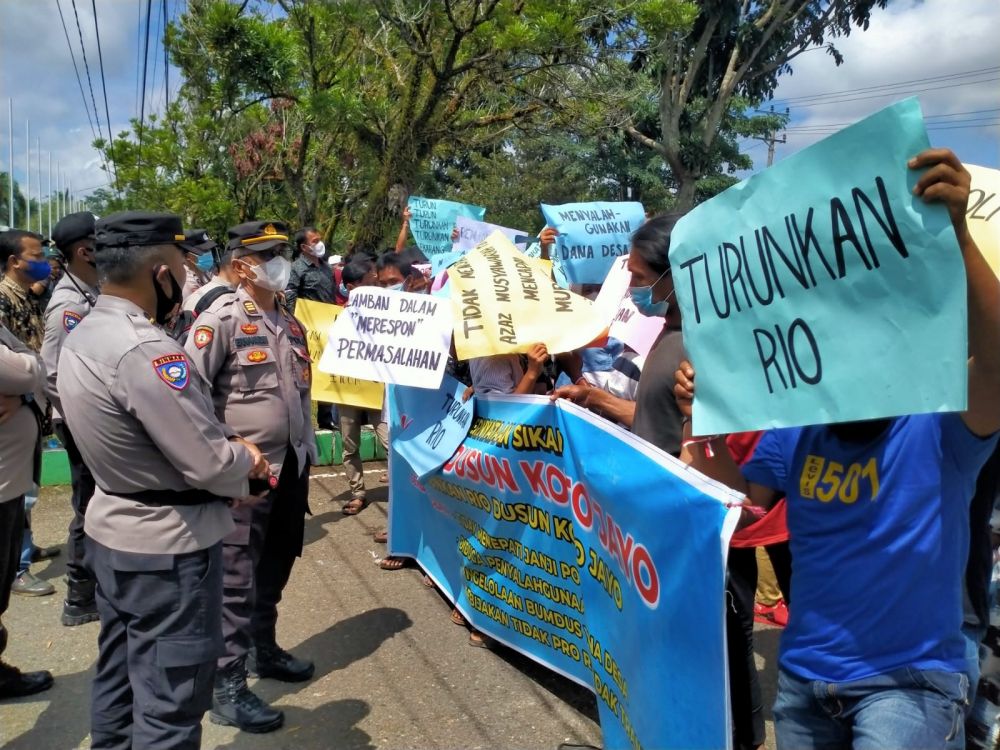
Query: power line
138	49
86	68
79	82
156	58
104	87
166	63
896	93
882	86
142	107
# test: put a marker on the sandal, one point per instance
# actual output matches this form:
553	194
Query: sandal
479	640
381	537
393	563
456	617
354	506
428	582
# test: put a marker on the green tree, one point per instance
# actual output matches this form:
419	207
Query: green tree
703	60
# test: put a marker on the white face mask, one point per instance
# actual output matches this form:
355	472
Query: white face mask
319	249
273	275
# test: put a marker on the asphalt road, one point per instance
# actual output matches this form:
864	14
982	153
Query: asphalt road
392	671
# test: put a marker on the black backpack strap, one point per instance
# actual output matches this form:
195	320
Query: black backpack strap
209	297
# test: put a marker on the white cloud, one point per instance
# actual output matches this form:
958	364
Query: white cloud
910	40
36	71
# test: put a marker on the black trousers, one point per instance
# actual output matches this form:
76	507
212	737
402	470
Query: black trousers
745	695
83	490
258	558
161	632
11	532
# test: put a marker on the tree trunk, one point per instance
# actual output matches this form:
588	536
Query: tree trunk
686	182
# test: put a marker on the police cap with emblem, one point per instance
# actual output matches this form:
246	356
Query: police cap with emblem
197	241
72	228
137	228
256	236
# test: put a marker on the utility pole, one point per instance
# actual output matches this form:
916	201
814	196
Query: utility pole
38	174
27	172
772	138
10	161
50	193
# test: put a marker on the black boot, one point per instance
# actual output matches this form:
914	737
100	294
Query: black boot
80	606
14	683
271	660
235	705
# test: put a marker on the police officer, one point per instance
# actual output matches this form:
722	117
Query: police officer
253	353
72	300
163	466
22	377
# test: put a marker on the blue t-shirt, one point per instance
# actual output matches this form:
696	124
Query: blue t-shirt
879	540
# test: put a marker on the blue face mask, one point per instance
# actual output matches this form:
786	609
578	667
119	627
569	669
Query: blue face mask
396	287
205	262
343	291
37	270
642	298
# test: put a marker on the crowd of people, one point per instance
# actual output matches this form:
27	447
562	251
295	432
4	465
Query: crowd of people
174	371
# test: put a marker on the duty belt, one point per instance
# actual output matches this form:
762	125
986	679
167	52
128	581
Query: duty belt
168	497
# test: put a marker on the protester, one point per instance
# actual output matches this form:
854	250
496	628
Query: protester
312	279
22	378
72	300
164	467
24	264
224	279
894	686
361	272
253	354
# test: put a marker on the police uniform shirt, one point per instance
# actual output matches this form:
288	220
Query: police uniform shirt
191	301
72	299
21	374
144	421
259	374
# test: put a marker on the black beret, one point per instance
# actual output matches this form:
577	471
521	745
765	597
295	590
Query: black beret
136	228
255	236
197	241
73	227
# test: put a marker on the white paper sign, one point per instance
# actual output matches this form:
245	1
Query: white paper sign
472	232
627	324
391	337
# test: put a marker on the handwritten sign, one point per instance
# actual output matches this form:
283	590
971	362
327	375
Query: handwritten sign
591	236
392	337
822	290
505	302
983	213
472	232
428	427
318	317
627	324
432	219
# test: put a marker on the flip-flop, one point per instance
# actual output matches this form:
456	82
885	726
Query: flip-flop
354	506
456	617
381	537
479	640
393	563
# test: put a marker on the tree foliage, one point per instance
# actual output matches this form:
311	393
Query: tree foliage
331	112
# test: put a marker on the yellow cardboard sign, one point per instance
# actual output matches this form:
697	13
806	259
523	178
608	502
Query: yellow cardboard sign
317	317
983	213
504	302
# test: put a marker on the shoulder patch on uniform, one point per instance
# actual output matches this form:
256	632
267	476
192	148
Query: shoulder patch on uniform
295	328
257	355
249	329
203	336
70	320
172	370
251	307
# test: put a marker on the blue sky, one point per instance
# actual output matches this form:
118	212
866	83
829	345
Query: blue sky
913	40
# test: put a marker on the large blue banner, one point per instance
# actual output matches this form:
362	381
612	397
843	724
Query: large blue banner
585	548
591	236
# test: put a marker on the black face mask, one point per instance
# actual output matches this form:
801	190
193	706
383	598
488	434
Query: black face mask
165	305
860	432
